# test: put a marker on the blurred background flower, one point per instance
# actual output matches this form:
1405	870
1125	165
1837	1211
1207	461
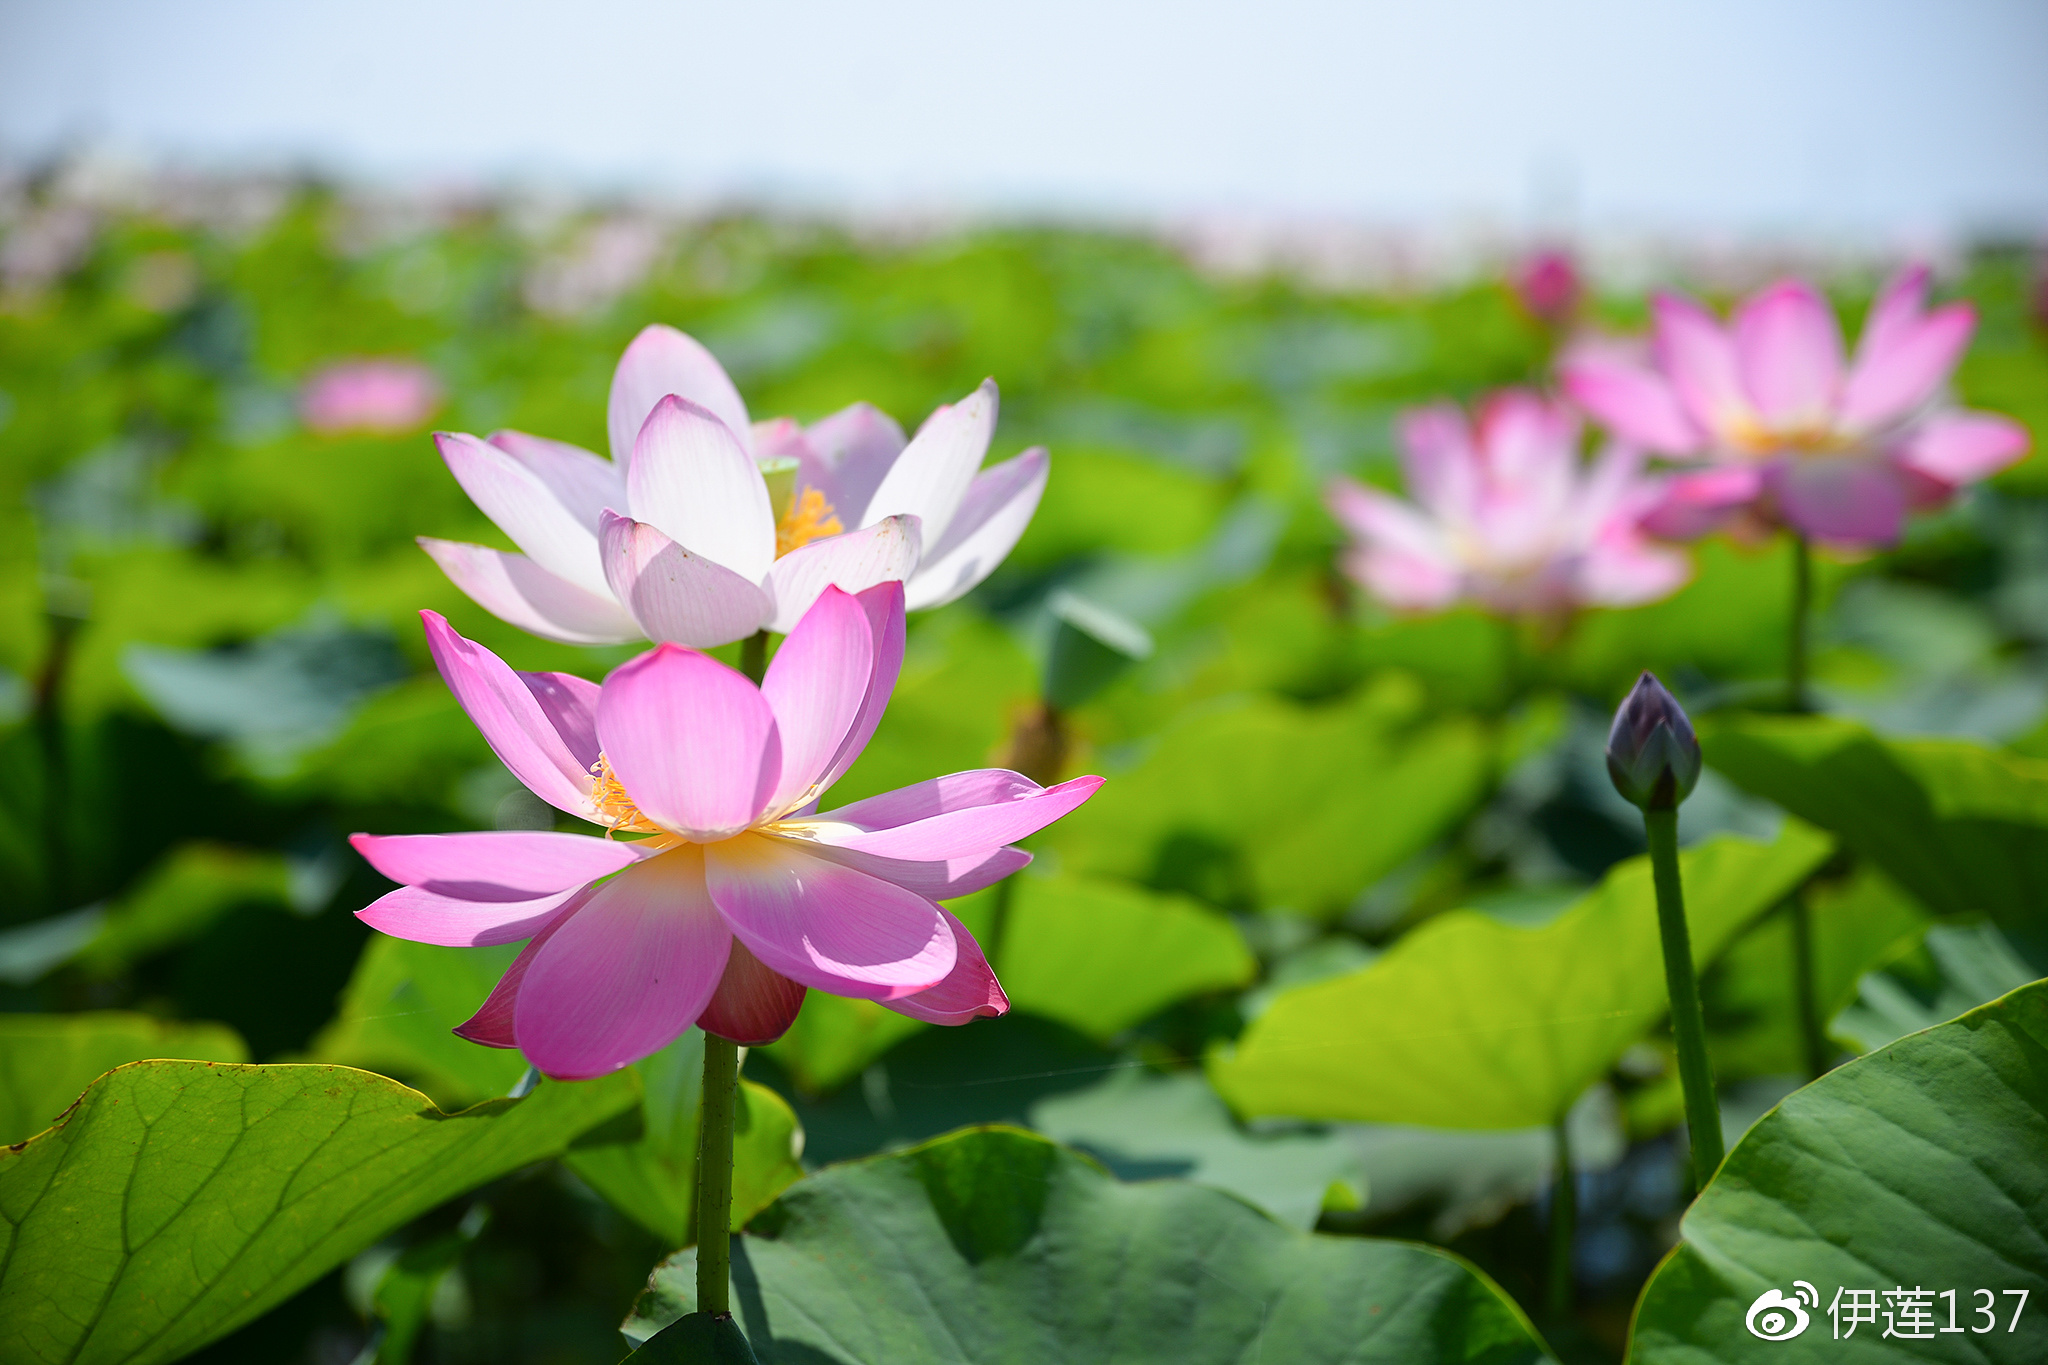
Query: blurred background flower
388	396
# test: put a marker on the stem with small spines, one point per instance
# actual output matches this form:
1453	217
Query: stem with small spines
1688	1023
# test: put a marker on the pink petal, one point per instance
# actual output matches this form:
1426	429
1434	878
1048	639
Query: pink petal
854	449
1623	570
1789	347
931	476
693	480
693	742
520	592
935	880
513	718
1440	460
827	926
958	816
883	606
1698	357
674	595
491	1025
752	1005
1633	401
1404	562
1700	501
1403	580
423	916
969	991
626	973
779	438
854	562
662	361
1903	357
815	687
584	483
1958	448
525	509
1526	440
1856	502
494	865
992	517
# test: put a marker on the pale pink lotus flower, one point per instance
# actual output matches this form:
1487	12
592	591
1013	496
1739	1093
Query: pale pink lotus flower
1789	432
741	895
389	396
704	527
1507	515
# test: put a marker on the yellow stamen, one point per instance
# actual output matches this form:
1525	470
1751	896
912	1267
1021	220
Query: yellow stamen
807	518
615	809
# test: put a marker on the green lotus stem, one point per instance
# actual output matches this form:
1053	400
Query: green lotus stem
714	1175
1688	1024
1802	610
1813	1038
1564	1216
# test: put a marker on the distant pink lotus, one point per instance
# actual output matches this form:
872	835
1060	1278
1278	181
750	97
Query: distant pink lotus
705	527
370	395
1788	431
740	896
1547	285
1507	515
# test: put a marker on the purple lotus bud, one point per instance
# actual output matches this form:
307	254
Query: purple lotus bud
1652	754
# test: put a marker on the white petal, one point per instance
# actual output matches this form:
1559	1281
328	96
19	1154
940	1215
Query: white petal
663	361
851	562
998	506
516	590
584	483
691	479
525	508
932	474
676	595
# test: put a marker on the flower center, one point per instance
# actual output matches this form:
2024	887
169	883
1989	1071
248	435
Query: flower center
807	518
615	810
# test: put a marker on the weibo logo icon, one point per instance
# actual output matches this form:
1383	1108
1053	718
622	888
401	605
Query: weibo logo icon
1777	1318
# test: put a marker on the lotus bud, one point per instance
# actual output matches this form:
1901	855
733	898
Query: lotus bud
1652	754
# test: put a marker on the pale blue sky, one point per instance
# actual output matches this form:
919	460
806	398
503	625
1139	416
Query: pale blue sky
1875	118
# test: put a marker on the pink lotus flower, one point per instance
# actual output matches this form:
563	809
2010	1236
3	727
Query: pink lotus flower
741	895
704	528
1790	433
1547	286
1507	516
370	395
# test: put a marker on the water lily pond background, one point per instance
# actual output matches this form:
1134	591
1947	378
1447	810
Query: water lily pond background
1352	927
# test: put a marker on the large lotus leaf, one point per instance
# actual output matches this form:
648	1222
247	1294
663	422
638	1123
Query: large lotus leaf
180	1200
1144	1126
1471	1022
646	1164
47	1059
1954	968
1100	956
1262	802
993	1245
1916	1168
1960	826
